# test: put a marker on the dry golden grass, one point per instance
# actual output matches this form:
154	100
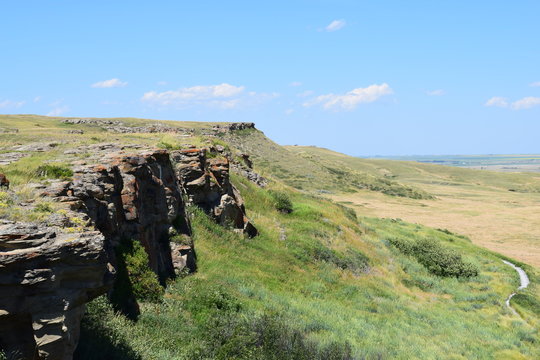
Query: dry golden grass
505	222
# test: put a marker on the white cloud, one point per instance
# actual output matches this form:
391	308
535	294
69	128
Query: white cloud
11	104
57	111
295	83
353	98
497	101
335	25
526	103
535	84
110	83
37	99
521	104
224	96
162	83
438	92
289	111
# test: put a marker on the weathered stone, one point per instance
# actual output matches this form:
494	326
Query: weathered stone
206	184
8	158
37	147
135	197
45	280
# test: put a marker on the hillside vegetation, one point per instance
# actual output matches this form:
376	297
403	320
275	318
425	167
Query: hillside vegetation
320	281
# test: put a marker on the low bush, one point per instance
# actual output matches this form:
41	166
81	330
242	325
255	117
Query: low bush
134	278
282	201
54	172
437	259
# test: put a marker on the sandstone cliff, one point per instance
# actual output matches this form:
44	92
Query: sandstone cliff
206	183
47	275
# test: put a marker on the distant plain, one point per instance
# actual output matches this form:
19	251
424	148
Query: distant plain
506	163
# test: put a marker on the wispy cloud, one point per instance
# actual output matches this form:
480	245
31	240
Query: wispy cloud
353	98
295	83
112	83
57	111
526	103
497	101
438	92
335	25
37	99
535	84
224	96
521	104
11	104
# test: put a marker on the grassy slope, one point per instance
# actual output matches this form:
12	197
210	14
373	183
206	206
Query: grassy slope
471	202
396	309
254	298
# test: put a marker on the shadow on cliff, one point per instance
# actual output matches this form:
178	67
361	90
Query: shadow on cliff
99	340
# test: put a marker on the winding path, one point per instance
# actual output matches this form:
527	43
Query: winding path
523	279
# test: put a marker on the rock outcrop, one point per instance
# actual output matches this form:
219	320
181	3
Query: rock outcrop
234	126
49	271
134	197
116	126
205	182
46	278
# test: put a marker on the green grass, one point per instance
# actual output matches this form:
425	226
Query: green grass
332	286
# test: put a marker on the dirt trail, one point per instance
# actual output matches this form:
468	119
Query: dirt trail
523	280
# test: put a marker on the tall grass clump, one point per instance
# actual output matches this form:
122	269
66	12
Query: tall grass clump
54	172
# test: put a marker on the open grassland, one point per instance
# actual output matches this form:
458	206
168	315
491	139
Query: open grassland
500	211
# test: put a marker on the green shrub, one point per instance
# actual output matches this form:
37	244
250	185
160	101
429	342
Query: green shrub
352	259
54	172
134	278
43	207
167	146
282	202
436	258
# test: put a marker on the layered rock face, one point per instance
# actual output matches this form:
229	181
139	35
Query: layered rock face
46	278
206	183
135	197
48	274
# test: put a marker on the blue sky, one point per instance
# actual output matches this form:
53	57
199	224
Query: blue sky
360	77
